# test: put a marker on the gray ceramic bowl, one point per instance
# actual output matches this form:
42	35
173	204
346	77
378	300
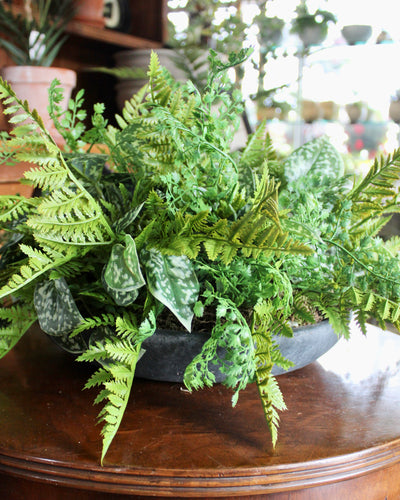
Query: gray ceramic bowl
169	352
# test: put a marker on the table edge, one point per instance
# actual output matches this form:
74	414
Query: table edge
196	483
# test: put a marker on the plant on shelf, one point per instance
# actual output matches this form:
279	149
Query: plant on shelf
34	33
167	225
311	26
215	24
268	38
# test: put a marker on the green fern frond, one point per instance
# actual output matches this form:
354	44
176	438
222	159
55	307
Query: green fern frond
159	87
272	402
95	352
372	227
255	152
265	322
375	188
15	207
112	413
99	377
37	265
116	375
16	320
94	322
121	351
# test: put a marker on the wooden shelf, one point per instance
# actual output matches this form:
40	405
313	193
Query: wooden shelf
108	36
339	439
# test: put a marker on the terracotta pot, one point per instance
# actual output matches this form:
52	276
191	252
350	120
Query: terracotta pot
354	112
90	12
31	83
310	111
329	110
10	176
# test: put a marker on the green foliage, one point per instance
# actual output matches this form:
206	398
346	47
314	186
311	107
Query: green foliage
169	223
171	279
14	322
116	374
231	334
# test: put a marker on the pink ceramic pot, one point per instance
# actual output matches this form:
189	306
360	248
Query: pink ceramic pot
31	83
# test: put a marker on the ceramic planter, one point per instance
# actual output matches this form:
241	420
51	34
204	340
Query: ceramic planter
31	83
169	352
313	35
90	12
356	33
310	111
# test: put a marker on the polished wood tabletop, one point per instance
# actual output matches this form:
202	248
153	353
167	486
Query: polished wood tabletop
339	438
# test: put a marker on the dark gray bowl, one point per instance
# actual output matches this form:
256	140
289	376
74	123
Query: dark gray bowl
169	352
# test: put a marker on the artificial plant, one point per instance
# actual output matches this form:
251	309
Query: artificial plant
33	31
168	222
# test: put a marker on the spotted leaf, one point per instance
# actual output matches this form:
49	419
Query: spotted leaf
316	157
122	276
171	279
55	307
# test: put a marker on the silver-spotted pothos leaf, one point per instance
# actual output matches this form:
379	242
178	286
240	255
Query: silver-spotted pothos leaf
172	281
55	307
125	221
316	157
122	276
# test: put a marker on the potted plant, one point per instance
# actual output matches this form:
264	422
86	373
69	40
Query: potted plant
32	33
168	228
311	27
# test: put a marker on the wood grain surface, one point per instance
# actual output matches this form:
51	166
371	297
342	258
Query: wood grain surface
339	439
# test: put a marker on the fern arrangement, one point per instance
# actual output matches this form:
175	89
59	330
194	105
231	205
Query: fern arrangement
168	219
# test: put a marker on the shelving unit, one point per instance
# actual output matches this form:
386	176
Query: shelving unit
345	74
91	46
109	36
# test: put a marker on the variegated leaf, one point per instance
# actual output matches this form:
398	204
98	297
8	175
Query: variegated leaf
55	307
172	281
122	276
125	221
89	164
316	157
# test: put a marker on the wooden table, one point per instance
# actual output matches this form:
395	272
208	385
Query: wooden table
340	438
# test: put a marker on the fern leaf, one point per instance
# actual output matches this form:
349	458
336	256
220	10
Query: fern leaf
116	375
16	321
94	322
101	376
15	207
267	320
38	264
